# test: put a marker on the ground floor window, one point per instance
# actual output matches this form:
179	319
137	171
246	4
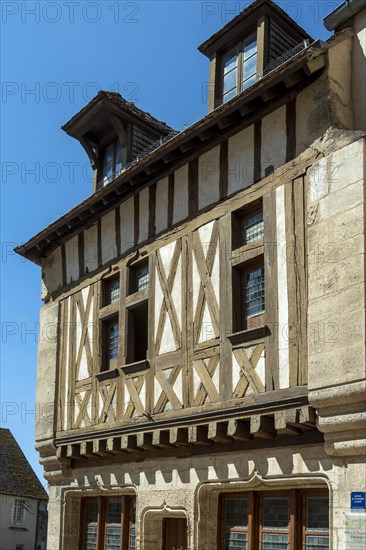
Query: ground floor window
288	520
108	523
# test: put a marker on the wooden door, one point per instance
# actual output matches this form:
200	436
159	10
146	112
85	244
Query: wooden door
175	534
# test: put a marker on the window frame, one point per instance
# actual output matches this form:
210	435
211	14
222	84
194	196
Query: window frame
246	257
238	220
240	60
297	515
132	287
109	312
126	525
116	145
19	505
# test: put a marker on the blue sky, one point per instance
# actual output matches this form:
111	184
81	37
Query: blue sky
55	56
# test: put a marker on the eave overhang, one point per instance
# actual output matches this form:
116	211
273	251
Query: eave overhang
241	111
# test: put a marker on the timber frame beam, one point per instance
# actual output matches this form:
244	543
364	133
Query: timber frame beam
293	426
243	111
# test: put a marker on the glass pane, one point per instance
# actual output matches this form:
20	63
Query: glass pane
254	305
132	539
113	340
250	67
230	60
317	542
236	540
250	47
276	514
132	525
248	83
274	541
236	512
118	159
230	81
90	538
113	291
91	512
253	227
108	164
90	525
229	95
142	277
317	514
113	538
236	523
114	510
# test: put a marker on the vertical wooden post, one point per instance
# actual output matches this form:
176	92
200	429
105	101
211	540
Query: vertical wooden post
262	45
271	290
226	305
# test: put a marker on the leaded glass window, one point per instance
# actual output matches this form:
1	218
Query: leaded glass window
108	523
254	292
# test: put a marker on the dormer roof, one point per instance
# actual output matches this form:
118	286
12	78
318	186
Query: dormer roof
104	102
235	28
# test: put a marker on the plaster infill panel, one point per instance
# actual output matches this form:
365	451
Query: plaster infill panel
127	214
91	248
72	259
109	247
144	215
209	178
180	206
273	148
161	212
241	160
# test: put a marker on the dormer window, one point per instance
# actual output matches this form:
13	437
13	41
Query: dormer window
255	42
239	68
114	133
112	162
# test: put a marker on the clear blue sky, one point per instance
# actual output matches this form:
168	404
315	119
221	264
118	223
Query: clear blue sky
55	56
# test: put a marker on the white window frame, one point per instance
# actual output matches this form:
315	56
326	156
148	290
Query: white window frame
18	512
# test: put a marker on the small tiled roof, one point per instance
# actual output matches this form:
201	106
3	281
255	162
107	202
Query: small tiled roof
117	99
17	475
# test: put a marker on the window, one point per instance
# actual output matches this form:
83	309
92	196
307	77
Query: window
18	511
112	292
139	277
253	292
248	267
282	521
252	227
137	342
239	68
108	523
109	318
248	225
112	162
249	295
137	312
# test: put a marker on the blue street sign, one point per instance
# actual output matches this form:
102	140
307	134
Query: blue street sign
358	501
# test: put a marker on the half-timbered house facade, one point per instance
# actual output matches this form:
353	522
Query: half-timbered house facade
201	377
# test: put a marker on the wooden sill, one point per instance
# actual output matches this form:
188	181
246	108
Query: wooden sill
247	252
139	366
107	374
137	297
109	310
248	335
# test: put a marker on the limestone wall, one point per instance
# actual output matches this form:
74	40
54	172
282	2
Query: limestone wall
336	290
190	487
359	70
